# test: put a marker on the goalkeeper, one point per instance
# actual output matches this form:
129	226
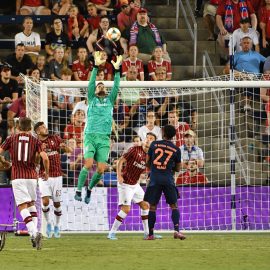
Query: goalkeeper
98	126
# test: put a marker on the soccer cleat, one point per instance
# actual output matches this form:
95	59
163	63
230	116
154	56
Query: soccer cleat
56	232
150	237
78	196
178	235
38	241
87	196
111	236
49	232
33	241
156	236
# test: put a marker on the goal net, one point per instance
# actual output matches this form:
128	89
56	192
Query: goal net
229	192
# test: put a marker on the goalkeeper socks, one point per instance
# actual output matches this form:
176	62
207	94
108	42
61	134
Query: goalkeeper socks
151	222
33	211
58	214
144	215
46	213
29	222
95	179
82	178
118	221
175	219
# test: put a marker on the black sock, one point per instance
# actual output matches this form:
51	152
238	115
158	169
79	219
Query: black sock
78	193
88	192
175	219
151	221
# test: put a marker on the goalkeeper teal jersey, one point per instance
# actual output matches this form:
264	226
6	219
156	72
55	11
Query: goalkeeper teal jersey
100	110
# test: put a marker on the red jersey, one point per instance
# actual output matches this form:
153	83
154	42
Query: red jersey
93	22
72	131
51	145
32	3
81	20
135	165
98	2
81	69
22	148
138	64
107	68
18	107
179	137
185	178
265	18
152	66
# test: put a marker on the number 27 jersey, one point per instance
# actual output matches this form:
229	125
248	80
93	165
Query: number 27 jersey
163	156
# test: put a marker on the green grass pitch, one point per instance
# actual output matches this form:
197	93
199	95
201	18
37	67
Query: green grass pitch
93	251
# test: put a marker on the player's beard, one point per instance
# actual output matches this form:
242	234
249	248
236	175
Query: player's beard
101	93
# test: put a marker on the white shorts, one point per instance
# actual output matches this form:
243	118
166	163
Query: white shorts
209	10
51	188
33	10
129	193
24	190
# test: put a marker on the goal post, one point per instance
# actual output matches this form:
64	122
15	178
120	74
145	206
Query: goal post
237	200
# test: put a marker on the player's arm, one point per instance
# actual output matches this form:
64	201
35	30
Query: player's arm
116	83
4	164
46	163
65	148
148	161
177	167
119	168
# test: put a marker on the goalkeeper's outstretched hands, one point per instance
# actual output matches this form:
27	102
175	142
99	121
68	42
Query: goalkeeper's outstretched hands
118	62
98	58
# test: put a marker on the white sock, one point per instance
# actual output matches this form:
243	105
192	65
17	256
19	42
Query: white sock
118	221
29	222
144	215
33	211
57	213
46	213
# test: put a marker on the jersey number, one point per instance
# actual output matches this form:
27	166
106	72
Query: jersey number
160	152
24	158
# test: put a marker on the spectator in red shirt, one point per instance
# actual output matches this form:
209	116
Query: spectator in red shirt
82	67
102	6
94	18
264	20
127	16
62	7
32	7
158	61
106	67
132	60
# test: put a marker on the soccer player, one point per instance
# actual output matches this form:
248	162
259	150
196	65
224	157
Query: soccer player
164	157
98	126
51	187
23	148
129	189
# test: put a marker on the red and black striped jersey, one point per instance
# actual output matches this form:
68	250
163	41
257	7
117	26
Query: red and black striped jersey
135	165
22	148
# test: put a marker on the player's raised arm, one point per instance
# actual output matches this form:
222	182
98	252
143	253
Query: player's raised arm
119	168
116	84
92	81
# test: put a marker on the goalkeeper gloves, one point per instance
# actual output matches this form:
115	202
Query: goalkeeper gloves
118	62
98	60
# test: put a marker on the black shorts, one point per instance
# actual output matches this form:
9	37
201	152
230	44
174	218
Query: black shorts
153	194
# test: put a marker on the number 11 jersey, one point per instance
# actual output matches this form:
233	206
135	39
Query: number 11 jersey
163	156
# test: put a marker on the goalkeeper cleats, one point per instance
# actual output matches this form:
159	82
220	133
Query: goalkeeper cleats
156	236
78	196
56	232
49	232
178	235
150	237
111	236
87	196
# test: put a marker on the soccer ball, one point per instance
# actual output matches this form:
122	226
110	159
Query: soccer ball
113	34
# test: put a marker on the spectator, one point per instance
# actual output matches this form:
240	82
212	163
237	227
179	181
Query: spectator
158	61
19	62
30	39
245	31
146	36
209	14
82	66
57	64
133	60
127	16
62	7
81	105
93	18
228	16
181	127
150	127
77	25
106	67
191	159
57	38
265	27
34	74
137	141
42	66
32	7
102	6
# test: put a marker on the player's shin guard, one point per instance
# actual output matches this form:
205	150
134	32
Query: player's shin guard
82	178
175	219
94	180
118	221
33	211
151	222
144	215
46	213
29	222
58	214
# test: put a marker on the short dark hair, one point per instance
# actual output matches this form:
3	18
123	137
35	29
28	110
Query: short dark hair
25	124
151	134
169	132
20	45
37	125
